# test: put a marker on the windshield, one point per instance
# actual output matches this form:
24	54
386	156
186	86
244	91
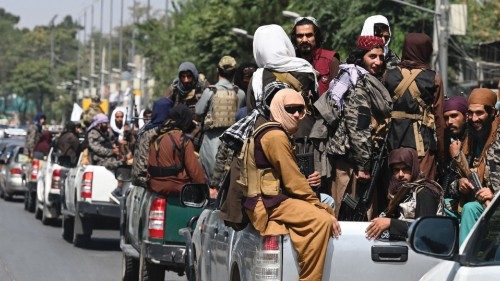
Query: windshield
484	248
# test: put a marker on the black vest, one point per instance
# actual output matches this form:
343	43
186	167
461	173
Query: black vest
401	133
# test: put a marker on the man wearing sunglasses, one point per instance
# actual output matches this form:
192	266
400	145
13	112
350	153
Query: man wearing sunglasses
307	39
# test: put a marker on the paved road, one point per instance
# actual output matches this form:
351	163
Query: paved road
32	251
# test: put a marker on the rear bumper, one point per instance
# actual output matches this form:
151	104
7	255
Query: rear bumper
172	256
15	186
103	209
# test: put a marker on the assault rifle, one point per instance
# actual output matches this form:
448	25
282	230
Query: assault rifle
353	209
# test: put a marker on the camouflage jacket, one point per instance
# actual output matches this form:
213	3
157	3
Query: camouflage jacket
101	150
141	152
492	172
32	137
366	110
223	160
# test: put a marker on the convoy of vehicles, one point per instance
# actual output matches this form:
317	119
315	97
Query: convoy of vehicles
185	233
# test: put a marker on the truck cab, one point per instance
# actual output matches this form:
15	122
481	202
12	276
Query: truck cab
478	258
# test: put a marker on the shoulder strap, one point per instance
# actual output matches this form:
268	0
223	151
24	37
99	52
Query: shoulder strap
288	78
265	126
408	79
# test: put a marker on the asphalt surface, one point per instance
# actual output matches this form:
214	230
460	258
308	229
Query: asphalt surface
32	251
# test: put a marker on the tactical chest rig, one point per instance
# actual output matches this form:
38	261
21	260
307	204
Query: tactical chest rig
253	180
222	108
157	171
425	117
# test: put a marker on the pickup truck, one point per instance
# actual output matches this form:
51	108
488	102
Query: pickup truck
478	258
34	172
215	251
150	240
48	189
86	204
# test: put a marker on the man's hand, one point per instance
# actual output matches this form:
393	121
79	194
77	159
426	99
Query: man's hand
455	147
213	193
465	186
116	150
378	225
363	175
336	227
484	194
314	179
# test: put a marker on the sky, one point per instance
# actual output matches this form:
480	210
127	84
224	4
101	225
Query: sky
40	12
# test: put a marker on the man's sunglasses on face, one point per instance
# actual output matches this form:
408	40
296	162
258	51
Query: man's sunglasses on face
295	108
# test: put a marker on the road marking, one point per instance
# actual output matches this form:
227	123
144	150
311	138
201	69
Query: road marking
3	267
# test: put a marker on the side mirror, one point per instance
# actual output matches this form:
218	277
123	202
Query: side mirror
435	236
124	173
194	195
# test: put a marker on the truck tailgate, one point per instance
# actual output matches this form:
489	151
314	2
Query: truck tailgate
103	183
177	217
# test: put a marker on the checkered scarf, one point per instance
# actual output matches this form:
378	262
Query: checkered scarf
242	129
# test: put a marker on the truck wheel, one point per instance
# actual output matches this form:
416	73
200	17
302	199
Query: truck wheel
45	219
25	201
6	196
31	201
130	268
149	271
38	213
67	228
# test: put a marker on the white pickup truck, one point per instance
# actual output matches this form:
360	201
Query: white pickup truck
86	202
48	189
478	258
215	251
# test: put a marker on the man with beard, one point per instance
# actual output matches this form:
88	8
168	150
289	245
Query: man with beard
480	153
411	196
455	114
307	39
185	88
34	132
102	151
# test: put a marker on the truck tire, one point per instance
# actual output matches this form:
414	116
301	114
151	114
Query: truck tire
38	213
82	230
67	228
149	271
25	201
30	198
45	219
6	196
130	268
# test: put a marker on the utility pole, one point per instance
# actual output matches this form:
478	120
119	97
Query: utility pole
444	36
52	55
120	59
167	5
92	48
101	49
110	47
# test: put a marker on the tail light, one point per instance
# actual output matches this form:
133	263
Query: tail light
268	259
157	218
35	165
56	178
16	171
86	191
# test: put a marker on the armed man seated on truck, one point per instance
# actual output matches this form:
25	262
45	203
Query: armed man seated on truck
480	154
278	198
172	161
102	151
410	196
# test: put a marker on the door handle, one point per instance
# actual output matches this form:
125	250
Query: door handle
389	253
